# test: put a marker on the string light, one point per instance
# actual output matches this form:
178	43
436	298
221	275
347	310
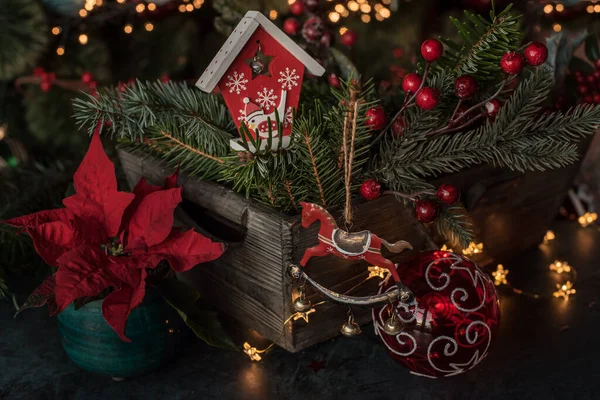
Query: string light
273	15
365	18
597	8
560	8
140	8
251	352
181	8
60	50
334	16
83	13
548	8
353	6
189	8
446	248
2	132
590	9
198	3
473	248
500	275
549	236
587	219
151	6
557	27
83	39
120	1
56	30
565	290
343	30
365	8
377	272
560	267
303	315
128	29
340	8
149	26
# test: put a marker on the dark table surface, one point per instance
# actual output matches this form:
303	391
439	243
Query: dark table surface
547	349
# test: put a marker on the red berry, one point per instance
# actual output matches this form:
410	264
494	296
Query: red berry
45	86
432	49
448	193
596	98
597	75
333	80
536	54
411	82
297	8
398	52
39	71
589	99
492	108
427	98
591	79
580	78
370	189
291	26
375	118
349	38
426	210
398	127
512	63
465	87
597	64
49	77
165	78
583	88
577	74
92	85
87	77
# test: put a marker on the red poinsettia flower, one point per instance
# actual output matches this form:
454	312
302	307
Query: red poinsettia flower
108	239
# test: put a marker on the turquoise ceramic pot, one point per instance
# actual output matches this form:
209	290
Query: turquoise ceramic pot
93	345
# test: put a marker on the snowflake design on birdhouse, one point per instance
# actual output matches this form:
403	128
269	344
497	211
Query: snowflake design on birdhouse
236	82
288	78
242	115
289	117
266	98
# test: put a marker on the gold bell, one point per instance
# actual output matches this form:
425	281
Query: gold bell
392	326
301	304
350	327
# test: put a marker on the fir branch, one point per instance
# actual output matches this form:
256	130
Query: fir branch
313	161
454	224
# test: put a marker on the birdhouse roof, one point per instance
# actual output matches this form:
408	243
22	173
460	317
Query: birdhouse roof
238	39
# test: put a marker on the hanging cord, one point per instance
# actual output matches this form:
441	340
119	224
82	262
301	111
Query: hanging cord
350	135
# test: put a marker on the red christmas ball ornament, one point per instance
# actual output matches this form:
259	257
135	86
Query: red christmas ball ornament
536	53
411	82
512	63
427	98
465	87
448	193
87	77
297	8
452	324
426	210
370	189
313	29
375	118
349	38
333	80
432	49
291	26
398	127
492	108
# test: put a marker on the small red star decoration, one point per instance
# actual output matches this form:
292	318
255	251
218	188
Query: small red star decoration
317	365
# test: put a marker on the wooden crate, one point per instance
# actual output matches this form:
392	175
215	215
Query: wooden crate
511	212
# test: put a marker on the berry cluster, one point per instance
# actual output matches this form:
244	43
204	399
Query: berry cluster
47	78
88	79
535	54
426	209
588	85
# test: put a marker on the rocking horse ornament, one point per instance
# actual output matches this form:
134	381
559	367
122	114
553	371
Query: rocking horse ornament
362	245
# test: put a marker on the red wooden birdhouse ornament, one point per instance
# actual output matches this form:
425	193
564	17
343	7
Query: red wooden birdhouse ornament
259	71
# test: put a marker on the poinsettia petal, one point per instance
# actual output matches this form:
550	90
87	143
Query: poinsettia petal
141	190
82	272
42	217
187	249
42	295
117	306
52	240
153	219
106	214
95	182
171	180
